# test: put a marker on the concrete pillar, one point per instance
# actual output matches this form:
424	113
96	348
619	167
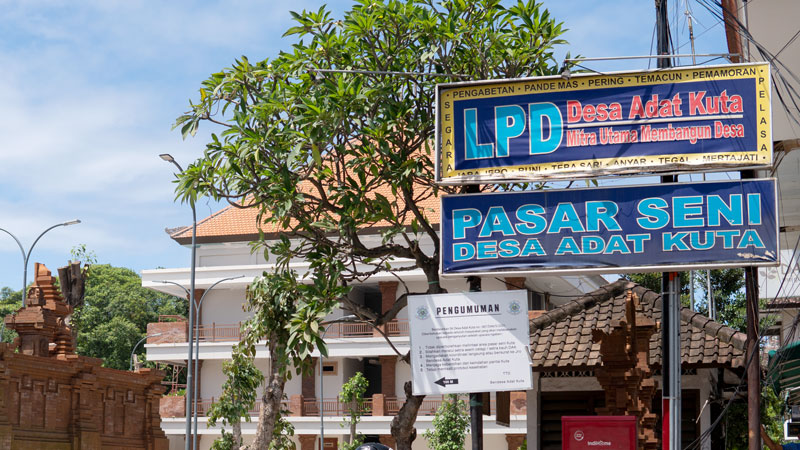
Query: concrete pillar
378	405
296	405
515	283
534	413
199	377
519	403
387	440
388	297
198	294
307	441
309	381
388	294
515	441
388	365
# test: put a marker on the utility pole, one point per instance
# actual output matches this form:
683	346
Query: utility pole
670	297
475	398
752	357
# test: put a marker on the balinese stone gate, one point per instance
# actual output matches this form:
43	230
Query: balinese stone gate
53	399
625	375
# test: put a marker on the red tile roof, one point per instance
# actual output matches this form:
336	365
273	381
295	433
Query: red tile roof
561	339
235	224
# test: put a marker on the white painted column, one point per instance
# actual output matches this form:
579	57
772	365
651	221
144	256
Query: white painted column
534	413
705	394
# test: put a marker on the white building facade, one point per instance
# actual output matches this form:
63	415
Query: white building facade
224	251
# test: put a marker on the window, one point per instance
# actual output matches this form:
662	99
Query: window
330	368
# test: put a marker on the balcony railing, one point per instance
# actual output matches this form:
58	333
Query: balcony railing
205	404
215	332
332	407
297	406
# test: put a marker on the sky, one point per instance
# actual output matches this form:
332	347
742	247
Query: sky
89	91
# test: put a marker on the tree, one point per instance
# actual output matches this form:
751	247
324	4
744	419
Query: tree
116	312
10	302
237	399
288	314
727	289
353	394
450	425
325	156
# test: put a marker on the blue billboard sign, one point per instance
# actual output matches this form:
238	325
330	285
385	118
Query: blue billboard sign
679	226
699	118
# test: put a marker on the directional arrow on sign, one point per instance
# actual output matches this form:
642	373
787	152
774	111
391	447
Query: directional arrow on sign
446	381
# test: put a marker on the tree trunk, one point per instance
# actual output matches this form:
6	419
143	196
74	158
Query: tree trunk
402	427
353	409
237	434
271	403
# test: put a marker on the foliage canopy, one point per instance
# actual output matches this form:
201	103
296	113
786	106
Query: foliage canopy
450	425
334	135
116	312
324	155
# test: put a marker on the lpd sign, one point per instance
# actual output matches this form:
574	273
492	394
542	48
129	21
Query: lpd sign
701	118
679	226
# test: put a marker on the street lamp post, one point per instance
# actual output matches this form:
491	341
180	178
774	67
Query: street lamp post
197	350
140	341
26	256
167	157
349	318
196	358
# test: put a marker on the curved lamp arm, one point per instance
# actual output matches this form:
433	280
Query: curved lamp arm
63	224
26	256
140	341
21	249
176	284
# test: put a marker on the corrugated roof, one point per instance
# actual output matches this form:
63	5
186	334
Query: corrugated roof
561	339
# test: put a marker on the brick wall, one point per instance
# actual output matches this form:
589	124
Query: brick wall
74	403
172	406
52	398
171	332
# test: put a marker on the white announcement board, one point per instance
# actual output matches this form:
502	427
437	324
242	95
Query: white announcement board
469	342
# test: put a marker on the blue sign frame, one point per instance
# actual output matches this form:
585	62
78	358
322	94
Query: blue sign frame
678	226
588	125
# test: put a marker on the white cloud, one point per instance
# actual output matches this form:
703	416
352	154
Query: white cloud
89	90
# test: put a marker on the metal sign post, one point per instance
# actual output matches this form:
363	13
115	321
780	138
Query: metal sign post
475	399
671	360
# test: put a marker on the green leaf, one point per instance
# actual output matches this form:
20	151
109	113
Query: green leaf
315	154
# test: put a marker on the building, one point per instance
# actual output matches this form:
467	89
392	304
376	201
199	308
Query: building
565	357
570	372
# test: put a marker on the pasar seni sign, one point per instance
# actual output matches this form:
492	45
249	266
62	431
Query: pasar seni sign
612	229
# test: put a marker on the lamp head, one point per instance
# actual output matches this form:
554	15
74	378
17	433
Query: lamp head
348	318
167	157
565	73
71	222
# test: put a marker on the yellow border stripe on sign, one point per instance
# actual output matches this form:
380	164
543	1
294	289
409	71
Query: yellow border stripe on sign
580	82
